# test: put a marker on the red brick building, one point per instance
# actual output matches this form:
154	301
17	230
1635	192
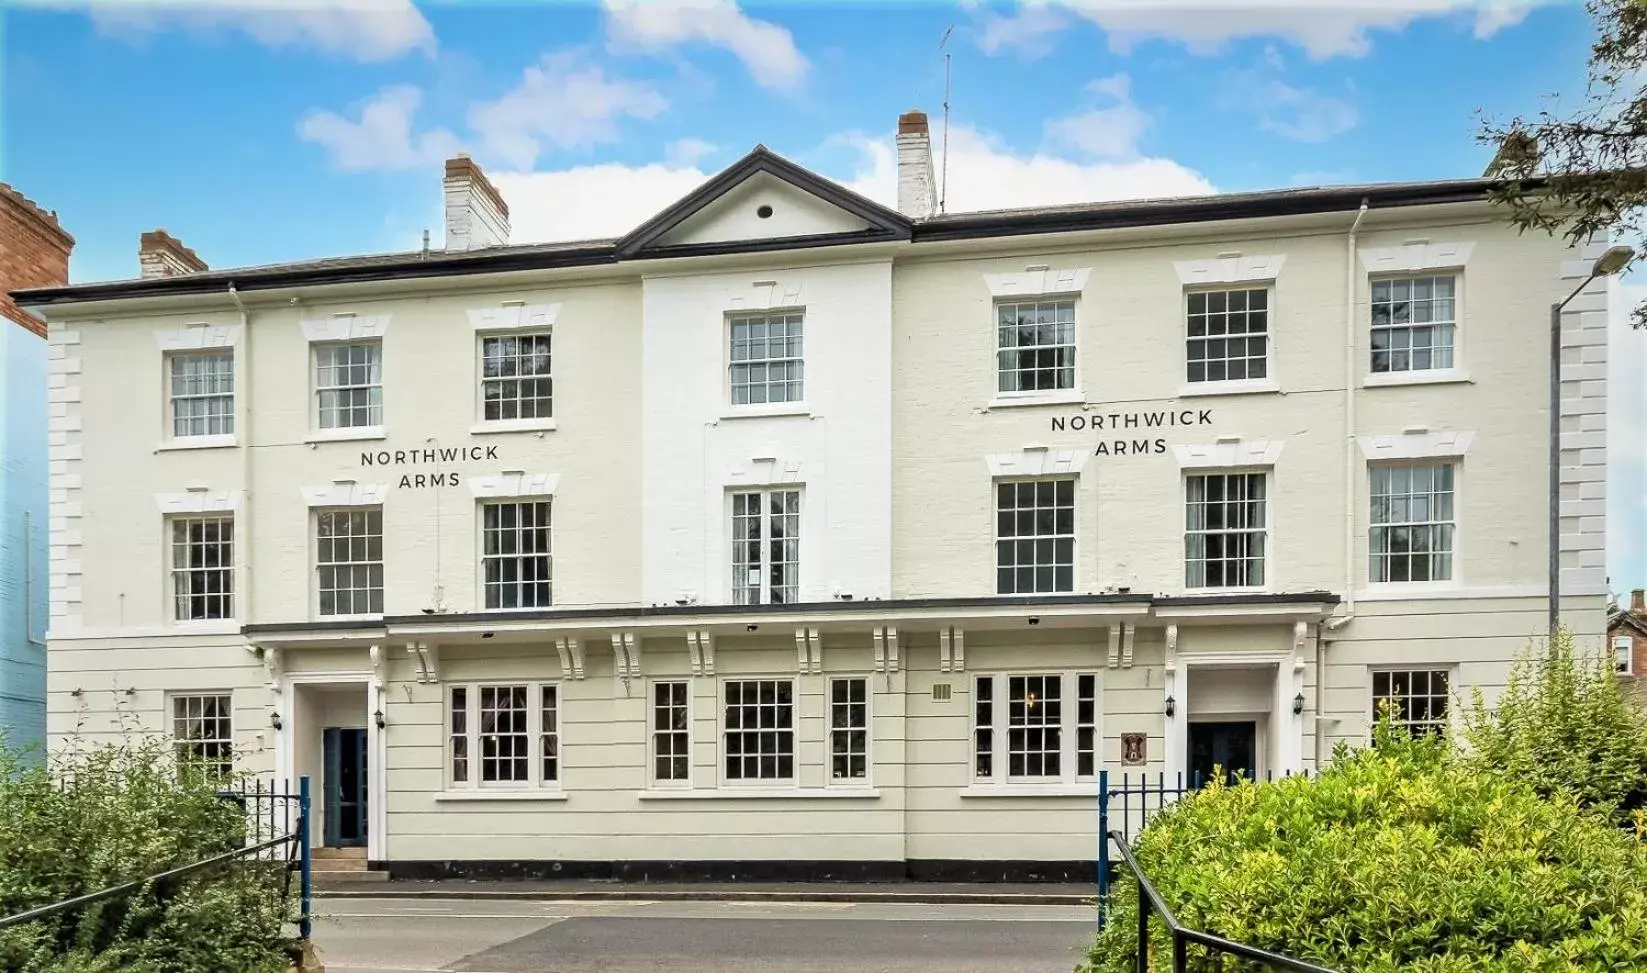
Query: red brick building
1627	634
34	252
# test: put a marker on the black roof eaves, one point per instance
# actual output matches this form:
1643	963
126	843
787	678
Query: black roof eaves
1200	209
1621	618
1276	598
503	260
761	160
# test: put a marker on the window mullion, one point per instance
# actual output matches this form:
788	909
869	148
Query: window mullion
999	705
1069	719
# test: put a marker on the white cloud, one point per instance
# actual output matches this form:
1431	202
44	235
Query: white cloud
361	30
562	103
1295	113
766	50
983	174
606	200
589	202
382	136
1105	133
1323	28
687	152
1028	32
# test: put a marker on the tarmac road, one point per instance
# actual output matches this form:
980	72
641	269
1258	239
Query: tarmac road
468	936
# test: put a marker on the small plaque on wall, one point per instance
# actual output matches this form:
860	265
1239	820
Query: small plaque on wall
1134	749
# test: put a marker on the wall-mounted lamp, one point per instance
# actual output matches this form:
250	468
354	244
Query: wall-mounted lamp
274	719
1298	704
377	717
1172	707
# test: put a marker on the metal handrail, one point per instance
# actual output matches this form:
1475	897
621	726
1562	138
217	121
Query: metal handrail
1150	900
113	891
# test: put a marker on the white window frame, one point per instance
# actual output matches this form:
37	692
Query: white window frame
1624	650
483	559
868	731
733	543
173	359
1454	562
175	572
1267	533
653	733
314	556
1395	376
1069	728
734	318
1404	719
721	749
1267	288
1074	536
534	736
227	765
317	349
1074	346
545	421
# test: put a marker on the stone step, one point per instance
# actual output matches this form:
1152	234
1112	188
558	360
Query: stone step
333	877
329	865
338	853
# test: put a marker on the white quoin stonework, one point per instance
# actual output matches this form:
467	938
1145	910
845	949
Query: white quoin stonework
917	185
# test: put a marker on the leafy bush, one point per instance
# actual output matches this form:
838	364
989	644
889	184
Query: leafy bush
102	816
1565	722
1397	857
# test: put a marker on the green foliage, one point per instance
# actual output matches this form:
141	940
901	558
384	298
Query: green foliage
1565	722
1397	857
102	816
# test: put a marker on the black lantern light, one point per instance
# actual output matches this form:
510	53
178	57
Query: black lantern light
1172	707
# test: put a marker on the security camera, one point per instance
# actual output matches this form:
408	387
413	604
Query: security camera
1035	619
428	611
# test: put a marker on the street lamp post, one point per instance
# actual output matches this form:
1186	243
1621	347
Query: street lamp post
1606	265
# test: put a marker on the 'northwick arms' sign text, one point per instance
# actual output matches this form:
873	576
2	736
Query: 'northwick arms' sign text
428	457
1118	423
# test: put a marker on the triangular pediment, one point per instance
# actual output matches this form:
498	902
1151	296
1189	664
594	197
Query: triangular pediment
764	200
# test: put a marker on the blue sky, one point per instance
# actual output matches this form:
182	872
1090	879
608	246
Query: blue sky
291	130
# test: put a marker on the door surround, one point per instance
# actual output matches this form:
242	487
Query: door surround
1283	751
376	745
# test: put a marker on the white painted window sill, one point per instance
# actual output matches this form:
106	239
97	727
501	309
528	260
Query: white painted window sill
512	425
352	434
442	797
1439	376
1061	397
325	619
1404	590
198	442
759	794
1223	592
1080	789
216	626
1257	386
800	409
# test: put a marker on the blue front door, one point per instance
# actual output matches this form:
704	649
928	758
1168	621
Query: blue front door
345	757
1230	747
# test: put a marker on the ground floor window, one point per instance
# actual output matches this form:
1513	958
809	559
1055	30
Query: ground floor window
671	733
759	727
849	729
1035	727
203	733
1418	698
504	735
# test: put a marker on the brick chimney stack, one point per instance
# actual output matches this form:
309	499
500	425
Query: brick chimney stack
476	215
34	252
159	254
1638	603
917	185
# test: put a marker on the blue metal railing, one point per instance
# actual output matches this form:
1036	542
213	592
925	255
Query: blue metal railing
287	827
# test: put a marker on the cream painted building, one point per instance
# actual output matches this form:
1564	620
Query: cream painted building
795	535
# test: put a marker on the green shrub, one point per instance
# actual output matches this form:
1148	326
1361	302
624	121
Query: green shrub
1399	857
102	816
1565	722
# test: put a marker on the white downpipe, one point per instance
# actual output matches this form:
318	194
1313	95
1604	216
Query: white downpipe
1351	452
243	435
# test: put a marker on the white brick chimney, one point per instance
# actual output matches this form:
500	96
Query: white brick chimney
476	215
917	186
159	254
